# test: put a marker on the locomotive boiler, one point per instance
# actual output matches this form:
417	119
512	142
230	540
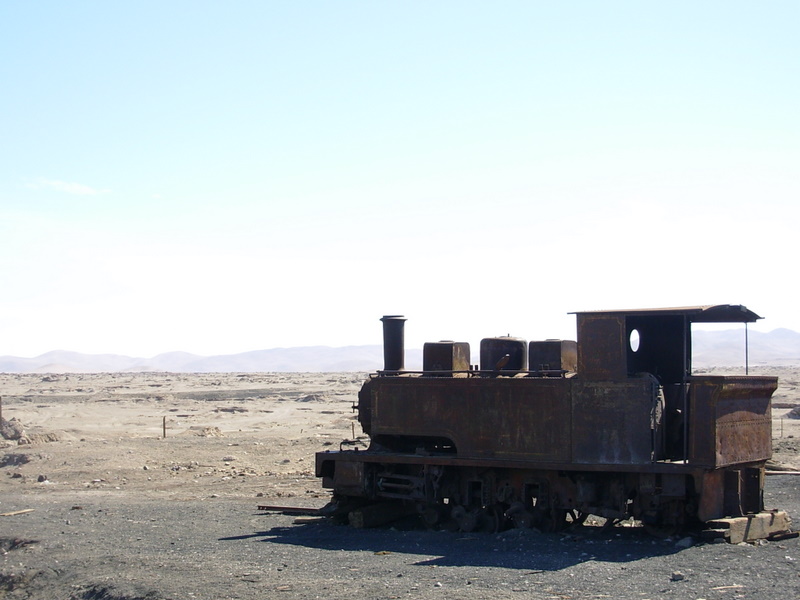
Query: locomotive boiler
543	434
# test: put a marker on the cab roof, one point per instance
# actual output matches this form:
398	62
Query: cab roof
714	313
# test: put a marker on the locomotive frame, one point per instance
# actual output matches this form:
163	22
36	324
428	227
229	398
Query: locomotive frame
615	425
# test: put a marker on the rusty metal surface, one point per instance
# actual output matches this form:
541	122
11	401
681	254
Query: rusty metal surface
483	417
550	355
611	422
561	420
730	419
329	457
507	354
601	347
349	478
444	358
393	342
708	313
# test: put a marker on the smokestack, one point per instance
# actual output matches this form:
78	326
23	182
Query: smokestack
393	342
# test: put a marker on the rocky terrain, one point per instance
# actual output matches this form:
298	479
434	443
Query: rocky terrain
133	486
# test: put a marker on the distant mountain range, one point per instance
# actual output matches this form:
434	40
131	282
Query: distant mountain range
287	360
711	348
727	348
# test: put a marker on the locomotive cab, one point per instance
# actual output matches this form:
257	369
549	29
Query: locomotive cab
722	423
618	345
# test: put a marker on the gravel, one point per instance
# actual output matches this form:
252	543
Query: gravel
101	545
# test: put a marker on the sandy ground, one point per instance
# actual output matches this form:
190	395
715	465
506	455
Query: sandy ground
226	434
232	441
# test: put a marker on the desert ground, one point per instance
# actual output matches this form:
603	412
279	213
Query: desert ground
146	485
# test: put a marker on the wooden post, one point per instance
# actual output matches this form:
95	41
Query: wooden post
164	427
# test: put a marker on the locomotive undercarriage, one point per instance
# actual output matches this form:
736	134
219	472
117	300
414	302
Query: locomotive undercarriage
470	498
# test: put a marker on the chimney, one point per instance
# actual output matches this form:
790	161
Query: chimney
393	342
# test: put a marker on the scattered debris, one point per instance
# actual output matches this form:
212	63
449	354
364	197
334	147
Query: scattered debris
313	398
17	512
231	409
291	510
14	460
727	587
205	431
9	544
39	438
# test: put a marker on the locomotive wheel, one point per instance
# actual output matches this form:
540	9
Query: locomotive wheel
672	519
555	521
467	519
431	515
493	518
519	515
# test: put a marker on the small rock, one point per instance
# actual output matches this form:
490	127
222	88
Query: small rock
686	542
437	584
11	430
41	478
677	576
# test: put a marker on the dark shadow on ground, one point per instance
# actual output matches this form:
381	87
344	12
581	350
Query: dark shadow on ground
514	549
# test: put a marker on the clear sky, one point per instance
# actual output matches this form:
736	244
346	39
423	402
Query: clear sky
218	177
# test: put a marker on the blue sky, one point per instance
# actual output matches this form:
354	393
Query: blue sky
223	177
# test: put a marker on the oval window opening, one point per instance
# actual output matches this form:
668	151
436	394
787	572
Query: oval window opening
634	340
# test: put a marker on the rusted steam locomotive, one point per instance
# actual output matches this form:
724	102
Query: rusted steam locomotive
544	434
